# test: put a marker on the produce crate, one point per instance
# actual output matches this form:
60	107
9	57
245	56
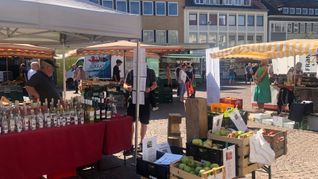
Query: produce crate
236	102
149	169
227	122
278	141
244	166
215	173
220	107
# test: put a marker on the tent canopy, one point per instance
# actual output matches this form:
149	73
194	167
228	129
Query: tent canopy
127	47
49	22
270	50
25	50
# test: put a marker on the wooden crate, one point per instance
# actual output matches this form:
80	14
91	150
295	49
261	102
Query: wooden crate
174	121
278	141
215	173
175	141
244	166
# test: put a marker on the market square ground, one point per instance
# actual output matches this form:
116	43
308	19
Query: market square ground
300	162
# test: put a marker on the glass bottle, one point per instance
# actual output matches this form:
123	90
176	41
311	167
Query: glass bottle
5	123
32	120
40	119
11	122
18	122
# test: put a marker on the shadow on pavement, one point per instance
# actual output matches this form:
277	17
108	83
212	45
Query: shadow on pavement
164	109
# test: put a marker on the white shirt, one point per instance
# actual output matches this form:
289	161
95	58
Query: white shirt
31	72
182	76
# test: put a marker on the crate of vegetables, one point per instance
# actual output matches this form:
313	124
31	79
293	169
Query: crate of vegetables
188	168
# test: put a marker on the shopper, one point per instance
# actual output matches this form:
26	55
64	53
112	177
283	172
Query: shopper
168	75
116	71
262	93
189	80
34	68
181	82
177	73
232	74
144	111
41	85
79	75
248	73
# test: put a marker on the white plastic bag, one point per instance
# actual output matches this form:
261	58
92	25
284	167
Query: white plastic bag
260	150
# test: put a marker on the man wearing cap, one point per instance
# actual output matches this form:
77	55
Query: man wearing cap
41	86
116	71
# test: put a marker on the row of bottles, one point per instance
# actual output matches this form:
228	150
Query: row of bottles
23	117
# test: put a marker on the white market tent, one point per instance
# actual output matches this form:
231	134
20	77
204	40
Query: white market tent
65	22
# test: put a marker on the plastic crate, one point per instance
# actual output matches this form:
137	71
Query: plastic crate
236	102
220	107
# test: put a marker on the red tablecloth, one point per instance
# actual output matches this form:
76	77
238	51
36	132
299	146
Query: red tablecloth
117	135
31	154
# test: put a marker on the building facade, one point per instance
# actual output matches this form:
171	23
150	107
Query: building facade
162	20
292	19
224	23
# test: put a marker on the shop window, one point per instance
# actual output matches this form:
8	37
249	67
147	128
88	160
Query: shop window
121	5
160	8
213	19
203	37
250	20
161	36
222	20
260	21
147	8
134	7
241	20
172	8
173	37
193	38
203	19
148	36
192	19
108	3
232	20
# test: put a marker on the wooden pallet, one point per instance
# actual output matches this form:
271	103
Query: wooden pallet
215	173
244	166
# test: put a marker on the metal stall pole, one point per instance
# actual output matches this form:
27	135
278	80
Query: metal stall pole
137	103
64	70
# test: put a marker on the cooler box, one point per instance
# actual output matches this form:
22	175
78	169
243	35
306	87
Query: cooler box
236	102
220	107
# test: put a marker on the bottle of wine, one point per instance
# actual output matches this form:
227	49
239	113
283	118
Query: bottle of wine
40	119
5	123
18	122
11	122
32	120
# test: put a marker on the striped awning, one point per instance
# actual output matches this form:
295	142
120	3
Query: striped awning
126	48
270	50
25	50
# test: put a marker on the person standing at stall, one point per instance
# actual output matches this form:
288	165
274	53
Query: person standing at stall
182	82
262	93
232	74
41	85
116	71
34	68
79	75
144	110
168	75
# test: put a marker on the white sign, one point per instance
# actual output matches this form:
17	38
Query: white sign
238	120
142	68
168	159
164	147
229	162
212	77
149	149
217	123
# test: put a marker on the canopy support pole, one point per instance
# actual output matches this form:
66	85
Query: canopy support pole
137	102
64	70
124	64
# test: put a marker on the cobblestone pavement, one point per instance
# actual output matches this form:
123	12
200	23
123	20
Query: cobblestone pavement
301	162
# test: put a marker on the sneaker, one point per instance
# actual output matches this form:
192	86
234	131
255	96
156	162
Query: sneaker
155	108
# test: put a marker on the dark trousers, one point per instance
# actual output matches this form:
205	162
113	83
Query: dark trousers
76	83
152	99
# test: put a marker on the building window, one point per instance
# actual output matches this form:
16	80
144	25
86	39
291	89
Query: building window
147	8
298	10
134	7
315	28
289	28
241	20
121	5
296	28
172	9
241	39
193	38
285	10
203	19
232	20
213	19
173	37
302	28
305	11
108	3
308	27
311	12
222	40
161	36
259	20
212	38
148	36
192	19
247	2
94	1
316	12
250	39
291	10
232	40
278	27
222	20
160	8
250	20
203	37
199	1
259	38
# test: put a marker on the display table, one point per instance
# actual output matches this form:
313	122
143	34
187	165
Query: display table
117	136
31	154
307	94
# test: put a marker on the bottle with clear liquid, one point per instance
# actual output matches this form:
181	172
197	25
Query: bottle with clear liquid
11	122
63	116
5	124
19	122
26	118
32	120
40	119
81	115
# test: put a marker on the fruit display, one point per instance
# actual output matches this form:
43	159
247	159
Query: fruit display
206	143
188	164
234	134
